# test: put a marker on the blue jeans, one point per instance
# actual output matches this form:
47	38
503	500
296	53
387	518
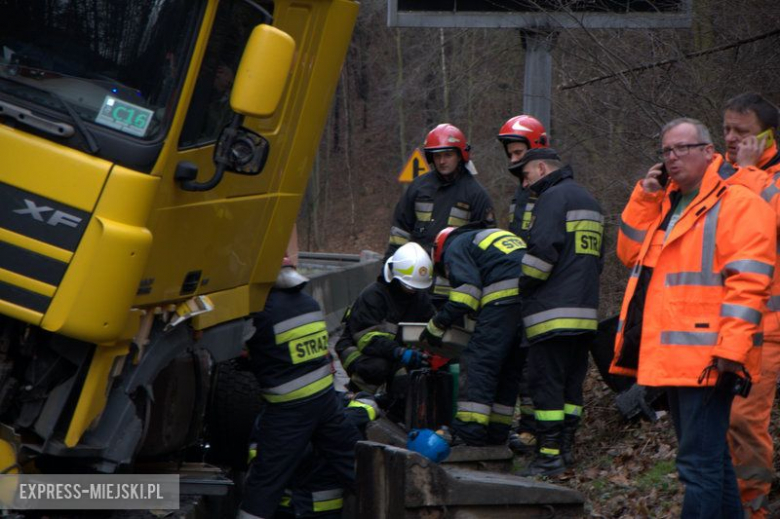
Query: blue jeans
701	419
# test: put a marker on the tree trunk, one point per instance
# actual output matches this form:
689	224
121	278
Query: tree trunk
399	96
444	79
348	148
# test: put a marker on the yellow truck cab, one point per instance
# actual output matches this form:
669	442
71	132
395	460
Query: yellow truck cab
154	157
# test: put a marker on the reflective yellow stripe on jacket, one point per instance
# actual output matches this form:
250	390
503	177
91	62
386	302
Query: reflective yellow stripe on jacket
372	410
473	412
560	319
327	500
302	387
499	290
384	329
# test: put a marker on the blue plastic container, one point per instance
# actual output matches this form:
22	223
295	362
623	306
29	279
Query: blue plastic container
429	444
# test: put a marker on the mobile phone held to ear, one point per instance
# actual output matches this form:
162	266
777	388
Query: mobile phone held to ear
769	136
663	178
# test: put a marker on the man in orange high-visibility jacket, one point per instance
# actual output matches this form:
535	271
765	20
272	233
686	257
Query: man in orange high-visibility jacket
702	255
749	124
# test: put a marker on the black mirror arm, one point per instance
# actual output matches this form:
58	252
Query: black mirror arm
219	171
192	185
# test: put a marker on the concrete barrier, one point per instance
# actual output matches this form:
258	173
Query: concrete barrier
395	483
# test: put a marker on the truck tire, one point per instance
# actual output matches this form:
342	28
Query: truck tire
235	404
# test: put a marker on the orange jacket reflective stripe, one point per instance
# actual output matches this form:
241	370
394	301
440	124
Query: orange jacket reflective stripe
764	180
710	283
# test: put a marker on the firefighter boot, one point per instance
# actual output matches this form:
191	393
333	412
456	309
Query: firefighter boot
498	433
522	443
548	461
570	424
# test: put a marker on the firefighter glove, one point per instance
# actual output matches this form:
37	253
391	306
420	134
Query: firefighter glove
410	358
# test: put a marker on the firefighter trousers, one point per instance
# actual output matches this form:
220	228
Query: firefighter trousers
491	362
282	437
527	421
556	369
749	440
316	491
318	494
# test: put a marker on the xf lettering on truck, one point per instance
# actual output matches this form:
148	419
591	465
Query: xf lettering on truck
310	347
41	214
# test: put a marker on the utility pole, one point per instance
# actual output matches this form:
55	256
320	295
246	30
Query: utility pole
537	89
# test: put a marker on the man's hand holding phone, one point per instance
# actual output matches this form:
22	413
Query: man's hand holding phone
751	148
768	138
656	178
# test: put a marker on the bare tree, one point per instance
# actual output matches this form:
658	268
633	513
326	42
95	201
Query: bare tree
617	88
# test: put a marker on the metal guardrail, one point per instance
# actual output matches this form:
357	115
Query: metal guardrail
334	256
337	279
313	262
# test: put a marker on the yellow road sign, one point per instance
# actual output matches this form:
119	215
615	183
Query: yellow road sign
415	166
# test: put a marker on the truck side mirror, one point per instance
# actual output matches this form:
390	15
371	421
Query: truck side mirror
238	149
242	151
263	72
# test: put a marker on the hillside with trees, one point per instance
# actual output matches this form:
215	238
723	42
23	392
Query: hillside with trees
612	92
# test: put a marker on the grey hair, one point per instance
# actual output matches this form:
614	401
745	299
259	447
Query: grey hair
702	133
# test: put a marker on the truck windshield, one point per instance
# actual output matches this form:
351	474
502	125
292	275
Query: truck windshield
112	63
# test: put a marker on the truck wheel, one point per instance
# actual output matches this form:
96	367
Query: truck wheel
235	404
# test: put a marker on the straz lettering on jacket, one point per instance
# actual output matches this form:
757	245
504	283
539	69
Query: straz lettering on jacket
310	347
306	341
588	243
504	241
588	229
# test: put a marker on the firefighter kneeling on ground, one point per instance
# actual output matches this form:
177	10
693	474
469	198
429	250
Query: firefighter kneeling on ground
289	356
482	266
315	490
369	348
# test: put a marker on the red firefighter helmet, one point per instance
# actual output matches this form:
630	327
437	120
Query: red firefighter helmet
438	247
524	128
446	137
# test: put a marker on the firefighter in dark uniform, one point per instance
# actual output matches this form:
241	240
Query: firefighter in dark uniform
316	491
560	285
369	348
448	196
289	356
518	135
482	266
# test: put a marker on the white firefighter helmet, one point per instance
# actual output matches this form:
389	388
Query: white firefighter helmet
411	266
288	276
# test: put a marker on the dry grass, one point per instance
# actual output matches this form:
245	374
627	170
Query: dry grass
626	470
